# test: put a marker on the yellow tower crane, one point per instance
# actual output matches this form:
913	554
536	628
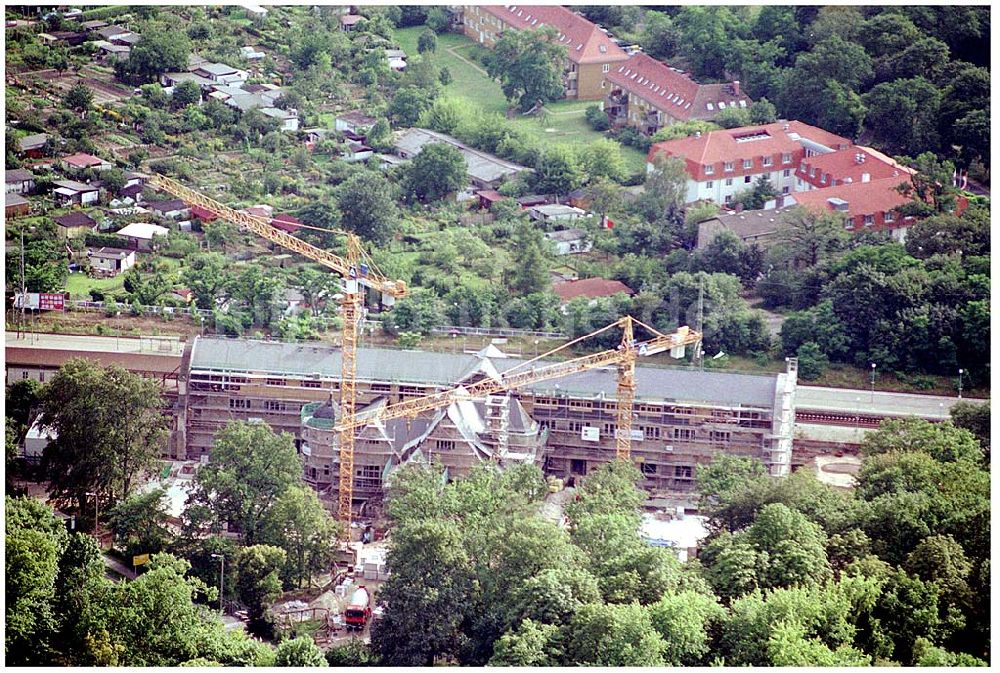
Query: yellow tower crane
358	271
623	357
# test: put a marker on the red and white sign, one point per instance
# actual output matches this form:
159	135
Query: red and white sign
42	301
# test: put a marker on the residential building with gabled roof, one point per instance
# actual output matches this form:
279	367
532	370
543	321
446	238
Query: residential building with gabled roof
721	163
870	205
647	95
82	161
590	52
76	223
71	191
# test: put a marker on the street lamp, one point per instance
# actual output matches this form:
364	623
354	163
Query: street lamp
94	493
873	384
222	577
960	371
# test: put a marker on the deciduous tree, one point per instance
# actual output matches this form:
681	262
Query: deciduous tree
528	64
251	469
109	430
299	653
367	206
300	524
437	171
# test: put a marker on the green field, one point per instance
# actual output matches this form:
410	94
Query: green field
79	285
564	125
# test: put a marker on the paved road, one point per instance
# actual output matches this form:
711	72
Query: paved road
117	567
887	404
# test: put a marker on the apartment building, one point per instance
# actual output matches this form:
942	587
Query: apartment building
721	163
647	95
683	416
590	53
872	205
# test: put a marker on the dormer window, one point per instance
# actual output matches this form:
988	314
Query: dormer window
786	158
869	220
709	169
747	164
728	166
767	161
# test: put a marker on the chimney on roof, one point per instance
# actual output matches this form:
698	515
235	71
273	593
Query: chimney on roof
785	127
736	88
866	177
697	134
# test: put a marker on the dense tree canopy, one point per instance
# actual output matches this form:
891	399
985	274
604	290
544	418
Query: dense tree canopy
109	430
528	64
251	469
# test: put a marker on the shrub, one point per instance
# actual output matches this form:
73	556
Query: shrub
812	361
598	118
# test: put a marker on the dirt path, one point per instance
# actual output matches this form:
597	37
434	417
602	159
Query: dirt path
453	52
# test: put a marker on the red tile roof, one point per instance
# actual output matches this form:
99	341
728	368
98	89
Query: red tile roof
203	214
863	198
82	160
584	41
286	222
672	91
746	142
490	195
590	288
850	165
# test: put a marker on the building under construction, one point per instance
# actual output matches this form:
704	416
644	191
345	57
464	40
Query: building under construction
682	417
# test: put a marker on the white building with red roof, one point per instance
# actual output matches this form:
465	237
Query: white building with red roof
854	164
806	165
74	163
721	163
870	205
647	95
590	52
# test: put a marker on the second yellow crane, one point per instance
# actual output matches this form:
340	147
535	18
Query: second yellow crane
358	271
527	373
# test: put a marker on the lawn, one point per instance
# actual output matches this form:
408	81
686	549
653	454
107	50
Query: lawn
79	285
564	125
467	79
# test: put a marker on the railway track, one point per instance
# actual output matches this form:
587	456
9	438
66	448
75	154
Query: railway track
841	418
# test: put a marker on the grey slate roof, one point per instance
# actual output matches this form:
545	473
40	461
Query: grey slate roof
480	165
566	235
33	141
111	31
445	369
18	175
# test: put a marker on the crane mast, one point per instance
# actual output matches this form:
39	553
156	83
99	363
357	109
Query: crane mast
357	275
623	357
